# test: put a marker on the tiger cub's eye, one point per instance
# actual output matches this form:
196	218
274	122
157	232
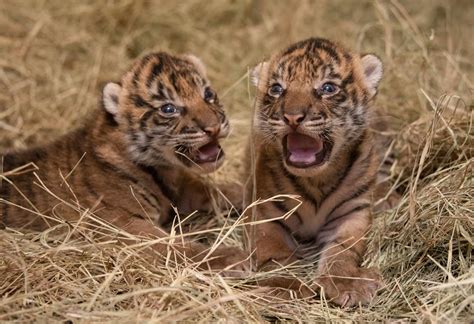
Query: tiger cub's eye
168	109
328	88
275	90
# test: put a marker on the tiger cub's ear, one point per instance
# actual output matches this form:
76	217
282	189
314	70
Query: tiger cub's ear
373	70
258	72
110	97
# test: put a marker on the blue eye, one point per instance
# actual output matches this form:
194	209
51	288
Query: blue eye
168	109
328	88
275	90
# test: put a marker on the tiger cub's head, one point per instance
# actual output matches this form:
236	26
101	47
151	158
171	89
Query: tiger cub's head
169	113
312	102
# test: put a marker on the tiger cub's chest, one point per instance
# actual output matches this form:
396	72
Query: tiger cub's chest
304	219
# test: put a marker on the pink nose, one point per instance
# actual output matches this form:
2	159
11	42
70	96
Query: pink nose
293	120
213	130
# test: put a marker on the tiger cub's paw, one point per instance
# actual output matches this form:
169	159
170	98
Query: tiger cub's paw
230	262
346	291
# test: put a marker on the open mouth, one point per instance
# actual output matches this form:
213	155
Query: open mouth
302	151
207	153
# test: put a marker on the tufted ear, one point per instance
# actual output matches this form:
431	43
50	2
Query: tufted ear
373	71
110	97
257	72
197	62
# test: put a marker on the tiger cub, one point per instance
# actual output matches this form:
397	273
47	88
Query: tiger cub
133	160
312	139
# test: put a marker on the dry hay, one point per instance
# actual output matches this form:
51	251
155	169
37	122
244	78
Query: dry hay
54	58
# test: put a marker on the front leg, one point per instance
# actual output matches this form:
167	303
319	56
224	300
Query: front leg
273	244
274	247
231	261
343	281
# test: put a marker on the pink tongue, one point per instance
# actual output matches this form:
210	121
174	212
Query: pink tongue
302	148
208	152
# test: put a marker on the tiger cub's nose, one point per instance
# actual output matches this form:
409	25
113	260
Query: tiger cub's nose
213	131
293	120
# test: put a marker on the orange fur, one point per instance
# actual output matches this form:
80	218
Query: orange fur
132	161
313	139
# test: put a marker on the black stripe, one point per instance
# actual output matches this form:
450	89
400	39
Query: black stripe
158	97
330	51
358	119
171	216
294	47
267	100
282	224
274	177
189	130
145	117
128	117
365	96
138	70
300	188
333	220
167	191
140	216
121	173
139	102
361	190
355	100
340	98
354	154
338	111
161	92
332	74
144	197
289	70
281	205
170	93
87	183
317	42
155	71
347	80
174	81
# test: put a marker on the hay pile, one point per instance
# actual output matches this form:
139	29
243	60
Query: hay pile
55	57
